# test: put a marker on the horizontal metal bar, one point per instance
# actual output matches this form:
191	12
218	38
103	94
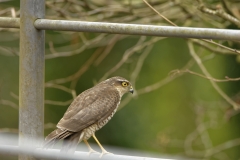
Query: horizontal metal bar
138	29
132	29
9	147
56	154
6	22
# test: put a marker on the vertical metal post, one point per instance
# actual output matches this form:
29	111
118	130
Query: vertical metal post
31	87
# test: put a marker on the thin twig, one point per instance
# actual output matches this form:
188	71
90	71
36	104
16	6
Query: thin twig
8	130
216	50
60	87
224	146
221	13
139	45
107	49
58	103
139	65
79	73
8	103
164	81
203	76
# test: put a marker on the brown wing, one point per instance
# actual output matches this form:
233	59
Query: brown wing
89	107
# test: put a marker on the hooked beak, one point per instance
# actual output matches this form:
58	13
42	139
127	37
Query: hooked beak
131	90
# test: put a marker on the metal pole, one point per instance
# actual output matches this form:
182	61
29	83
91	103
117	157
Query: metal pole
138	29
9	147
6	22
56	154
31	87
134	29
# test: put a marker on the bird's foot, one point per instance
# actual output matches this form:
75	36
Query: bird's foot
104	153
92	151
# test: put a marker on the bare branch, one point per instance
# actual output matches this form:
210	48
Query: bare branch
74	52
7	51
79	73
63	88
216	50
8	103
201	128
139	65
49	126
163	82
129	52
222	147
107	49
8	130
221	13
125	57
204	70
203	76
209	41
58	103
166	19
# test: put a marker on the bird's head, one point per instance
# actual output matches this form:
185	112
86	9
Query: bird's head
121	84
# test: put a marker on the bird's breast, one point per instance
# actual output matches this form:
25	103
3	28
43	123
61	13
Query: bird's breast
89	131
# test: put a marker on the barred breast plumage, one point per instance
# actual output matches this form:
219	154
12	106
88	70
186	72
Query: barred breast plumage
88	132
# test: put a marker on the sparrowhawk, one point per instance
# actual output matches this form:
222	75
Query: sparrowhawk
89	112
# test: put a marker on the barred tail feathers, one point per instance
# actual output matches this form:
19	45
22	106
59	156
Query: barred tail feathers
71	142
55	136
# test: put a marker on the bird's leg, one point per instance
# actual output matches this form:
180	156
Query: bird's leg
89	147
103	150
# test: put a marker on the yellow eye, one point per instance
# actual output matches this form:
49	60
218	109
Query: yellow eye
124	84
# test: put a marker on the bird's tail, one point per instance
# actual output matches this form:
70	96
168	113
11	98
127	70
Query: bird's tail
70	139
55	136
70	143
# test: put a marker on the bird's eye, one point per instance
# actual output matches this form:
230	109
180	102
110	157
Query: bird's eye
124	84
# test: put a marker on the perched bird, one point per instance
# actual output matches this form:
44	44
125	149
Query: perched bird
89	112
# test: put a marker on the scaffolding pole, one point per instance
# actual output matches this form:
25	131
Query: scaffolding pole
138	29
31	72
132	29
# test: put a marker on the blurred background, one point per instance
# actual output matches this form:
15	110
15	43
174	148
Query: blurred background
180	108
